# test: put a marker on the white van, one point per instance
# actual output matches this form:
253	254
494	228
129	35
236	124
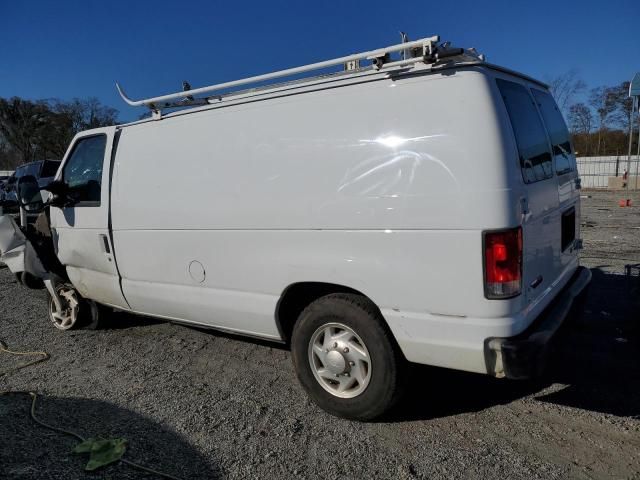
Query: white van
422	209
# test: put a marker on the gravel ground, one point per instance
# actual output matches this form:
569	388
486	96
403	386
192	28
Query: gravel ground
198	404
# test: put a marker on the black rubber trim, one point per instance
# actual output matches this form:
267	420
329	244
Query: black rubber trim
523	356
114	149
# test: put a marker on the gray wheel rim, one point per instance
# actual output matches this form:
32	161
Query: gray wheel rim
67	317
340	360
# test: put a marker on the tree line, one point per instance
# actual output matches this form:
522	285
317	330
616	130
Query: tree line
599	123
43	129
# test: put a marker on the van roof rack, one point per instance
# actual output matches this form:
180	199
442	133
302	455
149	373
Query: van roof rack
425	50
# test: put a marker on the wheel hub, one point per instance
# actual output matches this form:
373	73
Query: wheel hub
339	360
336	362
67	316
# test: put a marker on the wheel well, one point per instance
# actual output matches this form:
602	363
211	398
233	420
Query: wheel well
295	299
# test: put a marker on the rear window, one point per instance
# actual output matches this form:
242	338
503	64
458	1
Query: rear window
531	137
50	168
558	133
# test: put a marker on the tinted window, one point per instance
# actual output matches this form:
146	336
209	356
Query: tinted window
28	169
557	129
49	169
531	137
83	171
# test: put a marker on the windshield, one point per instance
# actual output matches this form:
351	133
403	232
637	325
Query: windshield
29	169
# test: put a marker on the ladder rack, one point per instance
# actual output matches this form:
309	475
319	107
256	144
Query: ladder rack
423	50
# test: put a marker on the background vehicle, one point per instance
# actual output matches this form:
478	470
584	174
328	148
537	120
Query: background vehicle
43	171
3	185
424	209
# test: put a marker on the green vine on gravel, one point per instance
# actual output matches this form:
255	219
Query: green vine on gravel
101	451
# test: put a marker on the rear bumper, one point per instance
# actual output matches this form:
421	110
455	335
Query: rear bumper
524	355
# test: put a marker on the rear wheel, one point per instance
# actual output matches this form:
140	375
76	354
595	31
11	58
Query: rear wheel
346	358
75	311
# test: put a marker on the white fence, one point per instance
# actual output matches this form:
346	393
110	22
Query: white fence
6	173
595	171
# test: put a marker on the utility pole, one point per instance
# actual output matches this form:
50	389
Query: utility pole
634	93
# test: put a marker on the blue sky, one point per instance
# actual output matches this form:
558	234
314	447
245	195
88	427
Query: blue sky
66	49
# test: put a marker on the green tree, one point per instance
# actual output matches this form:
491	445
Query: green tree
44	129
85	113
22	125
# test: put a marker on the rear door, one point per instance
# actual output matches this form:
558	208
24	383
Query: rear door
539	199
81	231
564	162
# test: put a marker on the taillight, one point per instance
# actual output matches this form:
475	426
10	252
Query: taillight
503	263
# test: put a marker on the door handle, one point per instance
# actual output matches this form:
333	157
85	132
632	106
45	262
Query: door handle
106	248
536	282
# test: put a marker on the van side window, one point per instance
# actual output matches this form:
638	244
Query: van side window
83	170
531	137
558	133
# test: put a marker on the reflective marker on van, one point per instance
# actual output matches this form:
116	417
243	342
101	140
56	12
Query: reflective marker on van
503	263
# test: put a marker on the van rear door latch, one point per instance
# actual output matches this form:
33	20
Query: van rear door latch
524	208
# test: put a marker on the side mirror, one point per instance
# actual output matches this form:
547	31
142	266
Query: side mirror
57	187
61	194
59	191
28	192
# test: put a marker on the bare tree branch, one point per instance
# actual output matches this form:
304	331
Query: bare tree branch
565	87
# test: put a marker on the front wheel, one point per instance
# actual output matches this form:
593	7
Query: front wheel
75	311
346	358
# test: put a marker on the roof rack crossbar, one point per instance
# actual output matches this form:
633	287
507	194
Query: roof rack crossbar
426	44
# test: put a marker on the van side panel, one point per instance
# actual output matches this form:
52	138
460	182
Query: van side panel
427	156
390	201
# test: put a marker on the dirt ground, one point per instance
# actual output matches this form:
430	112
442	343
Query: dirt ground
198	404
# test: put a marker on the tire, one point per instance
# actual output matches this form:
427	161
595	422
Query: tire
362	389
78	312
